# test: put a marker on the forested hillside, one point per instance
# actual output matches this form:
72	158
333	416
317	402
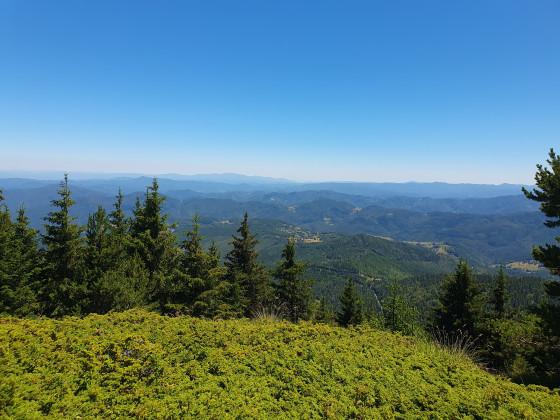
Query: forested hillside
488	231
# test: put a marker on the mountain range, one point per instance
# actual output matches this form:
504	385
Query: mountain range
487	224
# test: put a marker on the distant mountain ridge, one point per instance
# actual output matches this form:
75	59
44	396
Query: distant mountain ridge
223	183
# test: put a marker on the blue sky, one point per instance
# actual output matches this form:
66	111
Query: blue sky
457	91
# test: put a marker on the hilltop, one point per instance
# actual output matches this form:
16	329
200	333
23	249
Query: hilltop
142	364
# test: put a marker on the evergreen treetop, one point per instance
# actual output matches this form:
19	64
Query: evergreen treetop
351	308
547	193
460	305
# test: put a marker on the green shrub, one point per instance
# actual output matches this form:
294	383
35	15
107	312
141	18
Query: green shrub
138	363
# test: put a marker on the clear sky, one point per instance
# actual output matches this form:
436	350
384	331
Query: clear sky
457	91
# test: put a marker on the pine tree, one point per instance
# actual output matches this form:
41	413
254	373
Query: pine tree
460	305
6	258
293	291
249	281
97	241
398	314
324	312
28	267
98	257
351	308
117	218
196	259
547	192
64	292
155	243
151	231
499	295
213	256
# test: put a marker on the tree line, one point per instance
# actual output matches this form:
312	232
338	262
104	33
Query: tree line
116	262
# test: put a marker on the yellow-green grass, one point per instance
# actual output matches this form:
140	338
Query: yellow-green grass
142	364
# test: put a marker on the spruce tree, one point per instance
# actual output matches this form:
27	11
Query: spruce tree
117	218
151	230
213	256
196	260
98	256
155	243
65	291
28	267
97	241
460	306
547	193
6	258
293	291
398	314
249	281
196	265
499	295
351	308
324	312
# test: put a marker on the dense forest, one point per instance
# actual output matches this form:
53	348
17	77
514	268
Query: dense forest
119	261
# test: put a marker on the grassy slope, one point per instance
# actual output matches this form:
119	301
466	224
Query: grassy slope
139	363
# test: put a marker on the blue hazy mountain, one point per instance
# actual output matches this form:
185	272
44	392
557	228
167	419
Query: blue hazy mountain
487	230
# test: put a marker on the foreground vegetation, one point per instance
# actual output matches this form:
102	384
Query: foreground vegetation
139	363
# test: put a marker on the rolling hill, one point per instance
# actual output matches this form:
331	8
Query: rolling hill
487	231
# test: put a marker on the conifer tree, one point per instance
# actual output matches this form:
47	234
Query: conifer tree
196	265
398	314
97	241
293	291
28	267
499	295
213	256
152	233
460	305
351	307
249	281
547	193
6	258
196	259
155	243
65	291
98	256
117	218
324	312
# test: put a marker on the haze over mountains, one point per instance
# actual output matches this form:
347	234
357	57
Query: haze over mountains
488	224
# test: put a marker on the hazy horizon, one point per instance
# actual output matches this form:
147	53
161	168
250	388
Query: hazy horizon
56	175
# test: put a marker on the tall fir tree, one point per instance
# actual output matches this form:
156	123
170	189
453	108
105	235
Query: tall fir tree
196	265
249	282
293	290
6	258
64	292
196	259
398	314
499	297
117	217
323	312
97	240
98	255
351	308
547	193
155	243
460	305
28	268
